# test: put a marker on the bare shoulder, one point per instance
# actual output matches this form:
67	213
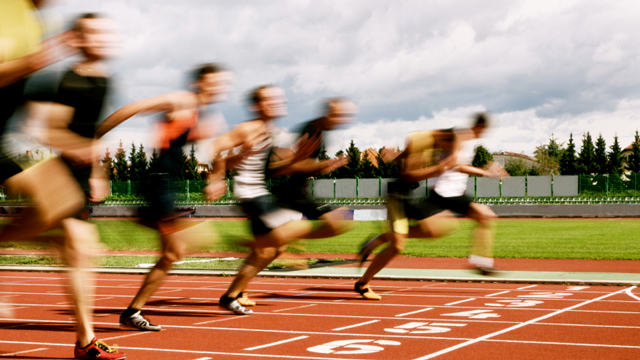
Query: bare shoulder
464	134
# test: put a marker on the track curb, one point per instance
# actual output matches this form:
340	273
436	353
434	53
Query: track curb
293	274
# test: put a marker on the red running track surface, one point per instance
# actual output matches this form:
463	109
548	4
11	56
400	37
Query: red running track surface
325	319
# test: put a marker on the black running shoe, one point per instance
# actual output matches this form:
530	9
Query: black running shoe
234	305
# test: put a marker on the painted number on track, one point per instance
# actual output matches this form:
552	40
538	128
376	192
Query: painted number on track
423	328
515	303
475	314
546	295
351	347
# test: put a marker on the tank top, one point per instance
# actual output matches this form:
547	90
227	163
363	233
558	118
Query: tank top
250	180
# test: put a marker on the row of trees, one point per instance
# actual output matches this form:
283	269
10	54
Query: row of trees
135	165
593	158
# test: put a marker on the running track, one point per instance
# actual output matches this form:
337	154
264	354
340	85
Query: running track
324	319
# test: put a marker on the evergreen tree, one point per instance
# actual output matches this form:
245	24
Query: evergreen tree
154	162
192	165
323	154
120	165
568	159
586	157
616	166
633	161
482	157
107	164
134	174
386	170
368	170
600	159
352	169
142	165
182	167
554	150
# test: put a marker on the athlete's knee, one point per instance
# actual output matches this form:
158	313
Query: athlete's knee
397	243
172	255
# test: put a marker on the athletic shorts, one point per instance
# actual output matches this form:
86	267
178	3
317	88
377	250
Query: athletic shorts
309	208
161	195
265	214
401	209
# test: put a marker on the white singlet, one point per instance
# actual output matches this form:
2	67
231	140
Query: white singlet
250	180
452	182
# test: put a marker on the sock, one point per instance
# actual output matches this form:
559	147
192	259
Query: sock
224	299
481	261
240	295
129	312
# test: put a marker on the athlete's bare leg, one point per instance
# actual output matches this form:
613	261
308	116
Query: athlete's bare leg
257	261
397	243
484	233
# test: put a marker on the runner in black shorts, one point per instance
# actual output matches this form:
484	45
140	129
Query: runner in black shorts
419	161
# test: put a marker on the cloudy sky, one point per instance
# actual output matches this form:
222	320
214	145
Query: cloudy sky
540	67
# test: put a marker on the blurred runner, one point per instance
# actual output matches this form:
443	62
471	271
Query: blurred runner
273	224
210	84
58	198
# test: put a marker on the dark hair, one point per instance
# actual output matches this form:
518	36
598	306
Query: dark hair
205	69
76	26
254	96
481	119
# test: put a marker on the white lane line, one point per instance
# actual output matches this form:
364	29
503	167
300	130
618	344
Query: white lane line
22	352
205	358
242	355
356	325
628	291
526	287
498	293
225	319
459	302
276	343
128	335
297	307
414	312
488	336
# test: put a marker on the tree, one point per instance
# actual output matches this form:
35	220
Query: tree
633	161
134	174
192	165
586	157
154	162
616	166
547	164
600	160
120	165
323	154
352	169
386	169
368	170
181	167
516	167
482	157
568	159
142	164
107	164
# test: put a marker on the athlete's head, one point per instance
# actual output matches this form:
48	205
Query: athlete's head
95	36
338	111
212	82
268	102
480	122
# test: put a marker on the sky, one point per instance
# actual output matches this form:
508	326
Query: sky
540	67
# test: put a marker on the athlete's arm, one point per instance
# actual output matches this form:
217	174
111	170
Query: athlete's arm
82	151
156	104
473	171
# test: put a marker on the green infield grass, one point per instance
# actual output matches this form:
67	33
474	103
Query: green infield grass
612	239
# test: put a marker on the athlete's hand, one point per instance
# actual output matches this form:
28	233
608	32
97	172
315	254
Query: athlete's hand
334	164
99	189
83	156
52	50
216	189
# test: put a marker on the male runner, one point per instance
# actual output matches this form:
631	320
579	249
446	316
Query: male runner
447	194
210	84
417	162
271	222
58	198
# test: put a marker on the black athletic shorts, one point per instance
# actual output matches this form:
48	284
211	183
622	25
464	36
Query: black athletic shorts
437	203
308	207
161	194
266	214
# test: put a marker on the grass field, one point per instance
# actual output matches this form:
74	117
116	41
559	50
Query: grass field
611	239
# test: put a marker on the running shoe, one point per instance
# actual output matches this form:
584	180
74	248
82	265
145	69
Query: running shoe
487	271
244	300
366	292
139	322
98	350
234	305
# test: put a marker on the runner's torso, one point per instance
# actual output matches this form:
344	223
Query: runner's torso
250	179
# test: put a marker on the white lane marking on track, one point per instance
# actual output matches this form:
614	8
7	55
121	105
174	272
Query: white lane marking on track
498	293
297	307
488	336
414	312
184	351
356	325
628	291
275	343
526	287
128	335
459	302
22	352
204	358
212	321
